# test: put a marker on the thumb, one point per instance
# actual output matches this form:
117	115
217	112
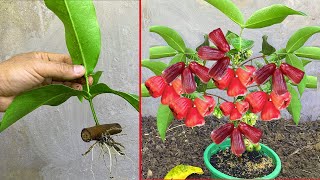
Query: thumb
61	71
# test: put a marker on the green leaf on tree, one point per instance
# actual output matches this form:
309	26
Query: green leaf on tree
228	8
164	119
308	52
103	88
295	105
230	36
205	42
277	56
25	103
242	44
299	38
305	62
269	16
144	91
157	52
172	38
312	82
155	66
81	30
96	77
267	49
178	58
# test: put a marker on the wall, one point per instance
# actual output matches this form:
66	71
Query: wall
193	18
46	144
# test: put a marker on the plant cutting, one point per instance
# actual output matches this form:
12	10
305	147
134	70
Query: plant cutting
83	41
255	88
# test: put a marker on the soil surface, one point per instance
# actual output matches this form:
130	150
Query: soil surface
297	146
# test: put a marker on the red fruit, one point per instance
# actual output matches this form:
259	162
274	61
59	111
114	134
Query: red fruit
237	143
279	85
235	115
206	106
225	80
257	101
280	101
180	107
155	86
245	75
188	82
173	71
220	134
262	74
168	95
236	88
252	133
270	112
194	118
293	73
209	53
219	69
200	71
217	37
242	106
226	108
177	85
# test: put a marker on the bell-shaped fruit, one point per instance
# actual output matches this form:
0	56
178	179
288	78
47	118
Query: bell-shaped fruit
177	85
235	115
217	37
293	73
155	86
180	107
219	69
173	71
221	133
252	133
188	82
280	101
237	144
194	118
209	53
262	74
200	71
245	74
225	80
242	106
226	108
205	106
279	85
270	112
257	101
236	88
168	95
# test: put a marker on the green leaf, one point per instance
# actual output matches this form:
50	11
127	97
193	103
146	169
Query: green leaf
155	66
300	37
293	60
228	8
172	38
164	119
308	52
205	42
278	55
25	103
103	88
81	30
267	49
144	91
295	105
178	58
312	82
230	36
96	77
242	44
157	52
269	16
305	62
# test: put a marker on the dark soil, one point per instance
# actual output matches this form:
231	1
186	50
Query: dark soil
250	165
297	146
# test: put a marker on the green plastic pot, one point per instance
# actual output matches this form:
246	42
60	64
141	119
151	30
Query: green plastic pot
214	148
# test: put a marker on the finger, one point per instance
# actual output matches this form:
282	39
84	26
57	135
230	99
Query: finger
61	71
76	86
5	102
82	80
53	57
90	79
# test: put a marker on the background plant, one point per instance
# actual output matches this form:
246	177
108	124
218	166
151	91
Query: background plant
239	55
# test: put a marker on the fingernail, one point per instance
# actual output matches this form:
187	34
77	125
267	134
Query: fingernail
78	69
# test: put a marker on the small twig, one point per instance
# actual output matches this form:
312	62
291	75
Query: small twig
218	97
306	171
251	60
175	127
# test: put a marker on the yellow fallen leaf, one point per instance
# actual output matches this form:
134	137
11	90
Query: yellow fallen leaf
183	171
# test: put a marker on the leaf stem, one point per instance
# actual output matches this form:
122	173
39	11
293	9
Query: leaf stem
251	60
93	112
217	96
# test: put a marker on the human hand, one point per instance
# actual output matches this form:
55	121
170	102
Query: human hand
27	71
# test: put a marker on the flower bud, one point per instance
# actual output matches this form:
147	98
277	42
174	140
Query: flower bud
173	71
200	71
218	38
220	134
188	82
293	73
155	86
262	74
209	53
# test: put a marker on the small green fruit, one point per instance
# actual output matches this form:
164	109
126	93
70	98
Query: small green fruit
257	147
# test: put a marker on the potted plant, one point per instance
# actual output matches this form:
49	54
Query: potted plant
256	87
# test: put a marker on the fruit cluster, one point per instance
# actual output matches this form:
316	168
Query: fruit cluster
232	77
